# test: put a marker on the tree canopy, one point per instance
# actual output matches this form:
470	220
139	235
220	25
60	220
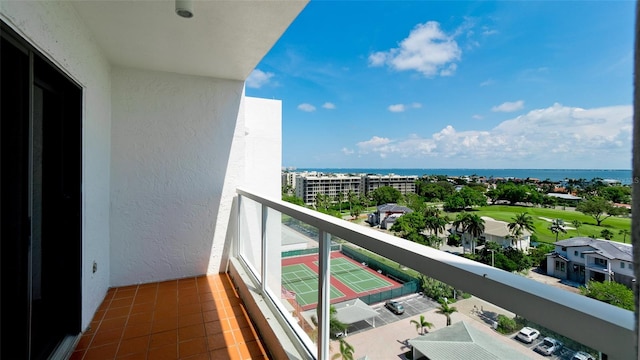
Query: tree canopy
599	209
610	292
385	195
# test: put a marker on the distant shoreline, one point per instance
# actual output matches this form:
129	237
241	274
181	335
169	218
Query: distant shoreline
624	176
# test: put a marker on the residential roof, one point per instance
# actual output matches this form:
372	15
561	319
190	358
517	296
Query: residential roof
462	341
606	248
564	196
395	208
498	228
352	311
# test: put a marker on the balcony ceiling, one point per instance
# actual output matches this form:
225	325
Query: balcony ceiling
224	39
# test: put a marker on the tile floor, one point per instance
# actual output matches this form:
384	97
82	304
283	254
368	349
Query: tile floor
193	318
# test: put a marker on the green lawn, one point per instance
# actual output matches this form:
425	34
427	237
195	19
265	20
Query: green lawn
588	228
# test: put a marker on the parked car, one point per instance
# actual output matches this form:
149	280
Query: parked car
394	306
548	346
581	355
527	334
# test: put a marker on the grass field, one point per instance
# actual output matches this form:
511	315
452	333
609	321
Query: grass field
588	228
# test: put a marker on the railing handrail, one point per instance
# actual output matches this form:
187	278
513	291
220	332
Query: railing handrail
569	314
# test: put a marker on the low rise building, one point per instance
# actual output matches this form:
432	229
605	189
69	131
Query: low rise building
332	185
583	259
403	183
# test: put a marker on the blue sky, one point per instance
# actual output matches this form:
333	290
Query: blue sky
422	84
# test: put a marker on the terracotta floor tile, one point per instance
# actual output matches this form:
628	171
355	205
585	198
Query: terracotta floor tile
117	312
106	337
136	330
140	318
164	325
133	346
190	319
216	342
111	324
166	352
101	352
213	328
191	332
163	339
209	316
192	347
178	319
220	354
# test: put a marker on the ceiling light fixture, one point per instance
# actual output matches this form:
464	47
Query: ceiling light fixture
184	8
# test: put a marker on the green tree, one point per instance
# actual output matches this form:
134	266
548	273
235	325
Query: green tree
599	209
576	224
557	229
414	202
518	225
606	234
422	324
610	292
386	195
346	351
471	224
624	233
409	226
355	211
293	199
446	310
616	194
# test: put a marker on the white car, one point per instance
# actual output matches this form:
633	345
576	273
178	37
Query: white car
527	334
581	355
548	346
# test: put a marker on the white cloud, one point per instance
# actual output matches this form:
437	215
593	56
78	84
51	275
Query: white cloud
477	117
487	82
397	108
347	151
509	106
258	78
553	137
416	105
427	50
306	107
329	105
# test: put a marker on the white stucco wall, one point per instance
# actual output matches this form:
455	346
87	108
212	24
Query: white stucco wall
176	161
55	30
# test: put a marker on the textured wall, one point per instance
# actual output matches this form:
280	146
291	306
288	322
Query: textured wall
54	29
176	160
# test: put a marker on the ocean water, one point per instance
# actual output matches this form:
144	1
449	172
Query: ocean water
624	176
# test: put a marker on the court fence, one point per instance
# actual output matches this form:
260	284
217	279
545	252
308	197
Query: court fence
410	284
309	251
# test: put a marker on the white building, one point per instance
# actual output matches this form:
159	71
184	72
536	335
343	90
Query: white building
582	259
332	185
404	183
498	232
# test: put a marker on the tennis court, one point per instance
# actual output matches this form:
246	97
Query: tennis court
356	276
303	281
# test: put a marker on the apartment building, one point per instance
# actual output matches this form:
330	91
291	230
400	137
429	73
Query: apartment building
404	183
332	185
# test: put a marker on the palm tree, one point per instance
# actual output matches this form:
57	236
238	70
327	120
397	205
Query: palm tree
421	324
576	224
607	234
557	229
624	233
475	228
446	310
346	351
520	223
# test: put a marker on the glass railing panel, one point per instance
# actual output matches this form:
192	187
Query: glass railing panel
250	234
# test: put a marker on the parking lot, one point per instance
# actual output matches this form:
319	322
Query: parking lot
563	354
413	305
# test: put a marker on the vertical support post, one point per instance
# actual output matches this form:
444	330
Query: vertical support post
324	290
236	245
263	252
